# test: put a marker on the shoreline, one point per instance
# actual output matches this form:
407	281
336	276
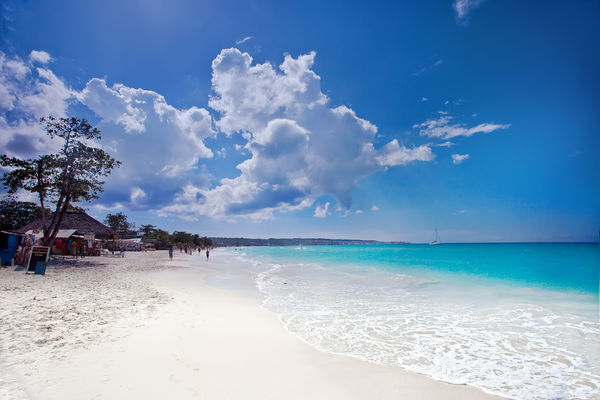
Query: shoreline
183	339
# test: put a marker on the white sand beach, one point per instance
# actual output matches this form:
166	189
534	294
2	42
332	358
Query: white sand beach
144	327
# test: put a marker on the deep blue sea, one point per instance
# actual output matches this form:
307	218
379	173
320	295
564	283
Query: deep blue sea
517	320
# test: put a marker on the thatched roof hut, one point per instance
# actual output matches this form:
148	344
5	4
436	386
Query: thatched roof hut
78	220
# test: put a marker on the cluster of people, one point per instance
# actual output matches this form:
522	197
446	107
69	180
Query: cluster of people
189	250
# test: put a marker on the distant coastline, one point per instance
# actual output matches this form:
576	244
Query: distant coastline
234	242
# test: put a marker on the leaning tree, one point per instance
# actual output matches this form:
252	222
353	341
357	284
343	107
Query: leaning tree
71	175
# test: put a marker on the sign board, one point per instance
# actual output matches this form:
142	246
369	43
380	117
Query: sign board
38	254
40	268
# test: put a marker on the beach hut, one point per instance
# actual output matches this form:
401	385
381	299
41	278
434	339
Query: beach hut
76	229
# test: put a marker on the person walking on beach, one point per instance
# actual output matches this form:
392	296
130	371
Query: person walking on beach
207	254
171	253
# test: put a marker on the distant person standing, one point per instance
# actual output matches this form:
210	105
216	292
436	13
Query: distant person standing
171	253
207	253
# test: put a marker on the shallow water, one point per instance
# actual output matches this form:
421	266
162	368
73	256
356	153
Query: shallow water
517	320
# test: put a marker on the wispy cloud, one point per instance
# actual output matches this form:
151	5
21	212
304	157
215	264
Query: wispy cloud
244	40
428	67
459	158
463	8
443	127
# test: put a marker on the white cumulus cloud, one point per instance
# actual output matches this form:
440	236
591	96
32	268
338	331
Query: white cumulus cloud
137	195
40	56
159	145
393	154
321	210
27	93
300	148
459	158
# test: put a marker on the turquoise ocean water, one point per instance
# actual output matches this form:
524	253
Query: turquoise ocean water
517	320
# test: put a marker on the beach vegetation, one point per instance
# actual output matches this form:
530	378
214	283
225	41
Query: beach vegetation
178	238
161	237
187	239
34	175
73	174
147	229
80	165
14	213
118	222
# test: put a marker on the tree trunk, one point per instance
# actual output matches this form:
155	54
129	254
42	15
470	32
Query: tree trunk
50	227
42	192
54	229
43	215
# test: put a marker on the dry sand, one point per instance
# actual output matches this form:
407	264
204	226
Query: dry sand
144	327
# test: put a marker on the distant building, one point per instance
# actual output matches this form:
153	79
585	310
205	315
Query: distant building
132	235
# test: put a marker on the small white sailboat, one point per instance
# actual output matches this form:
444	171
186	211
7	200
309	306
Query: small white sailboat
436	240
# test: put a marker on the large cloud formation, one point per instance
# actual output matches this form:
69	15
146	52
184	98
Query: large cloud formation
159	144
29	90
299	147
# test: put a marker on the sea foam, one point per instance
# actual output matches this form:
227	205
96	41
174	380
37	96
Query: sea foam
497	338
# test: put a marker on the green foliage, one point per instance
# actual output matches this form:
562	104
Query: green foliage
33	175
73	174
163	239
205	242
118	222
147	229
14	214
73	207
187	239
82	166
181	238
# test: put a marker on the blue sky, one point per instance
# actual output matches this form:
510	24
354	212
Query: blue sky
323	119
